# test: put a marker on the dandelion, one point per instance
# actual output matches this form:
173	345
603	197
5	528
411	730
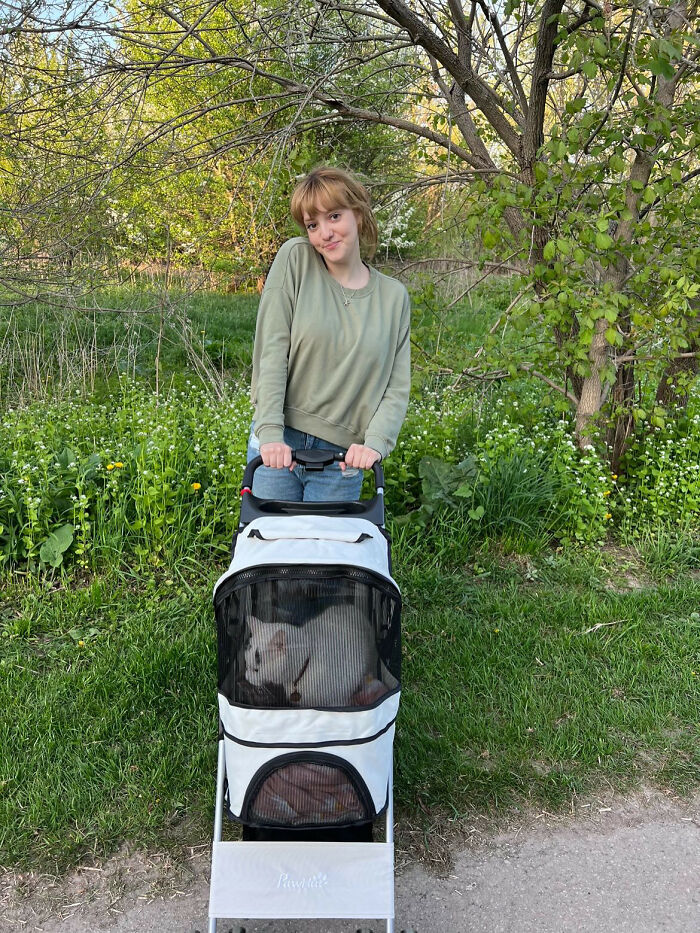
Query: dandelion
81	644
119	464
110	466
607	492
608	515
196	486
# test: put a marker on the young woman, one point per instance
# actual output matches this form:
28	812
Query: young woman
331	363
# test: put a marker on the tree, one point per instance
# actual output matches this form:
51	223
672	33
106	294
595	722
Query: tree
572	123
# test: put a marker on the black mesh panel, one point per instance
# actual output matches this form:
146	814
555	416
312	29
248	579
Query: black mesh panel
307	793
308	637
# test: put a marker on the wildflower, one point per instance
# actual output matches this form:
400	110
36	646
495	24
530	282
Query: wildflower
607	492
119	464
608	515
614	476
196	486
81	644
110	466
497	630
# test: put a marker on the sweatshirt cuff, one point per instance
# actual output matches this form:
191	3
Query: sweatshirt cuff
379	444
270	434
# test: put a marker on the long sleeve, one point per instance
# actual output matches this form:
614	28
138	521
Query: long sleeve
270	362
383	429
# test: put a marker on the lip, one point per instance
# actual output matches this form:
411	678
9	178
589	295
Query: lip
332	245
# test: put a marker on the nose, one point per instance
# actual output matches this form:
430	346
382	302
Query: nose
326	230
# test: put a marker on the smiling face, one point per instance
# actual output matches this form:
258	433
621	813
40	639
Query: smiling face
333	232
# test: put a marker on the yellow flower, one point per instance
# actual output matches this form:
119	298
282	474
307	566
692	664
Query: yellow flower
196	486
608	515
614	476
81	644
497	630
607	492
110	466
119	464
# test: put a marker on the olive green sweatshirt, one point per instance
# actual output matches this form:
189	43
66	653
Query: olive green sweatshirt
339	372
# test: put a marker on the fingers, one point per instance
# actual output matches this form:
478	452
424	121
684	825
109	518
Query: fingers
360	457
277	456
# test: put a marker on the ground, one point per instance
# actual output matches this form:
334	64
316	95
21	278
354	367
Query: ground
613	864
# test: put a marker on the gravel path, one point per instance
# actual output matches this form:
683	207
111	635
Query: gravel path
618	865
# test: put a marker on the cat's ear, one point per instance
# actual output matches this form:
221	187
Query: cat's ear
254	624
278	642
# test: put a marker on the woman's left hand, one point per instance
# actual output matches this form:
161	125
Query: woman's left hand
360	457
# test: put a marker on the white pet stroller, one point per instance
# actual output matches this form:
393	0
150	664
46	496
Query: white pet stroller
308	621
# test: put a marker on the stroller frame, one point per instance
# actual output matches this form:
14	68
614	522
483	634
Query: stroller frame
261	880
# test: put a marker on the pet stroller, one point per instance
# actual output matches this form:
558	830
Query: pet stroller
308	624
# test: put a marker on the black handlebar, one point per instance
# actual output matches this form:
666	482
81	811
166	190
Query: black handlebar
316	459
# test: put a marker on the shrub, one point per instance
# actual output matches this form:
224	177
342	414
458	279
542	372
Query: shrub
661	479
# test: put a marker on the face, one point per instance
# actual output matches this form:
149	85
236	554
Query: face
334	234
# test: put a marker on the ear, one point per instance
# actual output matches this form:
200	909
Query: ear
278	642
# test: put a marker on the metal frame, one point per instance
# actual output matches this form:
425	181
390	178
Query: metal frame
219	817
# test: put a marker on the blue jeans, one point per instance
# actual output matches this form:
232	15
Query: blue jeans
301	485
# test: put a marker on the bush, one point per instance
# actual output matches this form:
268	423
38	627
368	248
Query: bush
139	474
661	480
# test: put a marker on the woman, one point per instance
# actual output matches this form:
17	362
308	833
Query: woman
331	363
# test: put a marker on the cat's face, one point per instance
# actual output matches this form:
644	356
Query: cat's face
267	654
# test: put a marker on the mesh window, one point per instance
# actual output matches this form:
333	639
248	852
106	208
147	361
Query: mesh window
308	638
307	793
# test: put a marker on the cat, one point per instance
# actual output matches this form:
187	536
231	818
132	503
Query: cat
323	662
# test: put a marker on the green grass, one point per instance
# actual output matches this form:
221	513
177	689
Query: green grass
541	690
530	674
109	686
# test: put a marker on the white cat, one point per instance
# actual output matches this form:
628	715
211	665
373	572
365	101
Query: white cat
323	662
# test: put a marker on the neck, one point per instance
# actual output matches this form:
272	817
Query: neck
353	274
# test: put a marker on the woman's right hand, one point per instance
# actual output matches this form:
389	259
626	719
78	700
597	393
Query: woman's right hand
277	456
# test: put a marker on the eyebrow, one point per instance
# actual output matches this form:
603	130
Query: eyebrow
330	210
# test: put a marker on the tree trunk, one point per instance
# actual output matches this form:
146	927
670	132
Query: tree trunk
668	393
622	400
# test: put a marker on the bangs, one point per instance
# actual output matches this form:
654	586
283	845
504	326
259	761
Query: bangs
321	194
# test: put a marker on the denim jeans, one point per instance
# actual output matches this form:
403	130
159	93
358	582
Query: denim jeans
301	485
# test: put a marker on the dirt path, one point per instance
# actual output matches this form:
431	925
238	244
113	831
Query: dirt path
617	865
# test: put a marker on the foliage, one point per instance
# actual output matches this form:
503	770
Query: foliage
527	484
136	474
660	485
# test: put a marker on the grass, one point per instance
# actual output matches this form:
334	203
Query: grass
524	678
530	674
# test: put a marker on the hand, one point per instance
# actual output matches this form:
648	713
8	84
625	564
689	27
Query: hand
277	456
360	457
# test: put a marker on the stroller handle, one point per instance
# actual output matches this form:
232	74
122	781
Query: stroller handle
316	460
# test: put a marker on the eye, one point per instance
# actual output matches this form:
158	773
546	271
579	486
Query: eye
310	225
335	215
257	657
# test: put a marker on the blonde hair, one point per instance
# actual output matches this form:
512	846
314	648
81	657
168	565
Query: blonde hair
325	188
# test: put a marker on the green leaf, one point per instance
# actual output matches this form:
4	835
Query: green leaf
590	69
66	457
603	241
549	250
57	543
576	105
476	514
